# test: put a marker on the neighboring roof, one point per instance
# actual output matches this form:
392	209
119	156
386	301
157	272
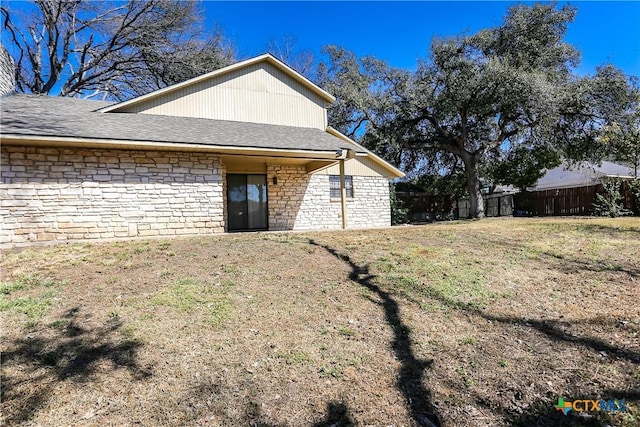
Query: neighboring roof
262	58
44	116
505	189
566	176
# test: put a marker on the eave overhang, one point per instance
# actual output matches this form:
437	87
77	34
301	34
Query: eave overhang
64	142
392	170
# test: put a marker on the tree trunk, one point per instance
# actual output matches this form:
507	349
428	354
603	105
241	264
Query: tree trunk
476	200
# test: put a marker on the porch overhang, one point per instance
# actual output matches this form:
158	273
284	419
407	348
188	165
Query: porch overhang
311	160
315	159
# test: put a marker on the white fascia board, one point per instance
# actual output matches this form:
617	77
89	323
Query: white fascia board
52	141
394	171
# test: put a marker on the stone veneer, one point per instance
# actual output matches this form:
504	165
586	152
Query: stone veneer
56	194
300	201
59	194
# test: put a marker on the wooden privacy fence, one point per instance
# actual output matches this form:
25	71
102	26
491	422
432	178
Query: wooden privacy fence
556	202
494	205
566	201
425	207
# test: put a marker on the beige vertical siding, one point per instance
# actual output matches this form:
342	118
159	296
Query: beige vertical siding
240	166
259	93
360	166
7	72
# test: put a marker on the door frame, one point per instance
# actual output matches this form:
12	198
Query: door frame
266	203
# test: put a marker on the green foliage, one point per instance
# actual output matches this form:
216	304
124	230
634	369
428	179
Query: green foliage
634	188
505	94
399	213
347	332
591	109
296	357
436	184
621	138
188	295
35	281
523	166
611	202
438	273
333	371
7	288
26	282
34	307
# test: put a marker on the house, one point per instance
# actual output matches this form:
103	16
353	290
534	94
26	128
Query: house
581	175
572	190
563	190
246	147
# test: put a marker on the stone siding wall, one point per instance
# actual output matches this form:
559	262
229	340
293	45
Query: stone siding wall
51	194
59	194
285	197
370	206
300	201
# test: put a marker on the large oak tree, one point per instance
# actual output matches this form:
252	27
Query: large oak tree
506	94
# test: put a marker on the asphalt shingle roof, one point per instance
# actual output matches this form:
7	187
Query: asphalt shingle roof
32	115
567	176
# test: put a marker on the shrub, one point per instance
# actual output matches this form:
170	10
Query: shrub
634	187
611	202
399	213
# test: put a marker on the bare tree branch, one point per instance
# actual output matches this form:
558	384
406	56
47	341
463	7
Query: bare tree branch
81	47
286	51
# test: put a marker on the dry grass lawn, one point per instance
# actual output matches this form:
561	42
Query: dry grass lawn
452	324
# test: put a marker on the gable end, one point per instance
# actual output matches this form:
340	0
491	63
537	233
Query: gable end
261	90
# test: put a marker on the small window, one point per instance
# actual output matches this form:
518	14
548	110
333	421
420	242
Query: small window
334	186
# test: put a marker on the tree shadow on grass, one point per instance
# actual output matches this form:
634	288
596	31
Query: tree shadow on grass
336	415
552	329
570	263
73	353
412	373
542	413
611	230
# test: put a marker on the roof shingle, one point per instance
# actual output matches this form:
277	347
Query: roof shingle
42	116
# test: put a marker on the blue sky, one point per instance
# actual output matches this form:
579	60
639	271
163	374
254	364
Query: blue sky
400	32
